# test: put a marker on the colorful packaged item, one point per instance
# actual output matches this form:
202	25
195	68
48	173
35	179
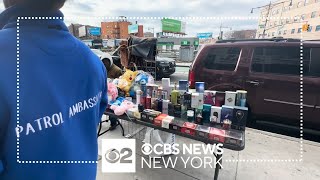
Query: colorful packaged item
183	85
170	109
209	97
158	120
165	106
176	125
215	114
199	87
226	124
190	115
206	113
227	112
195	100
200	104
240	116
166	122
177	110
175	95
220	99
189	128
217	134
234	137
186	100
230	98
241	98
203	131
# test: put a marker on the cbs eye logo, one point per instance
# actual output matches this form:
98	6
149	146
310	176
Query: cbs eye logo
114	156
118	156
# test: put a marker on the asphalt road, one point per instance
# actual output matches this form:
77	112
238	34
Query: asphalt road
182	74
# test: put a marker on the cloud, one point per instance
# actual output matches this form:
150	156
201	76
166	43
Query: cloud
79	9
169	8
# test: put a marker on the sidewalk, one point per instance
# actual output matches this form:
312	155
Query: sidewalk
266	156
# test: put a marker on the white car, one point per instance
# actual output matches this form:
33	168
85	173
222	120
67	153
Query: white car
104	57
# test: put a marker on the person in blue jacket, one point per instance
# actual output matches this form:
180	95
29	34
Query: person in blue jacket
53	93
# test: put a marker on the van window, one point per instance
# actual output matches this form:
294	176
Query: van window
222	58
315	63
280	60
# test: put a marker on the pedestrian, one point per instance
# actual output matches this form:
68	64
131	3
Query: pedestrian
53	92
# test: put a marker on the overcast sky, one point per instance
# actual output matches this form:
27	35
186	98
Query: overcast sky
79	9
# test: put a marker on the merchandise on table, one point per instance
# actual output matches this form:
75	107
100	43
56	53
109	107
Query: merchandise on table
241	98
140	107
215	116
148	115
230	98
195	100
184	110
220	99
217	134
165	106
191	115
203	131
189	128
166	85
206	113
227	112
199	118
183	85
186	99
148	102
176	125
226	124
158	120
165	95
143	101
177	110
222	111
240	117
175	96
200	104
166	122
200	87
209	97
234	137
170	109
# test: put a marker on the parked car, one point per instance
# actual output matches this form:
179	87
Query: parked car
269	70
164	66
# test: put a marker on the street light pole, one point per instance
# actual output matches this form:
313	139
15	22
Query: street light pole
265	24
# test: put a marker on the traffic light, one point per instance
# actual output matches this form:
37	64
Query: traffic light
305	27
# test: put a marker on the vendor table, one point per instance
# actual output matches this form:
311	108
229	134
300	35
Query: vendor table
110	113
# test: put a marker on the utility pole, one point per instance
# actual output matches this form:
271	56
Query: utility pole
221	32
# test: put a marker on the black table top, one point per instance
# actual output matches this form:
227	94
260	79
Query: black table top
197	138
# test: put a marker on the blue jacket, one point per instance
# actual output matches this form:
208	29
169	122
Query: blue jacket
52	97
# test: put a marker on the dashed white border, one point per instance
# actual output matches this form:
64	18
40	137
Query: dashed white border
158	18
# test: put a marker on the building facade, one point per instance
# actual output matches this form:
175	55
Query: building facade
284	18
115	30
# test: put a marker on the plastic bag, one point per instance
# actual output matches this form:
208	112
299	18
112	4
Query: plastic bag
154	136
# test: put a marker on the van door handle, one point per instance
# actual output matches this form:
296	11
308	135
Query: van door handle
255	83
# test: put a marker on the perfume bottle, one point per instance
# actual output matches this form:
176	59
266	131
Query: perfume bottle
175	95
154	103
159	107
148	100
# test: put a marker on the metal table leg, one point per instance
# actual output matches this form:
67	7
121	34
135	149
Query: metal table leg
218	167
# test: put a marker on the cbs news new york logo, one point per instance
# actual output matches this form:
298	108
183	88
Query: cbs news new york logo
118	155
